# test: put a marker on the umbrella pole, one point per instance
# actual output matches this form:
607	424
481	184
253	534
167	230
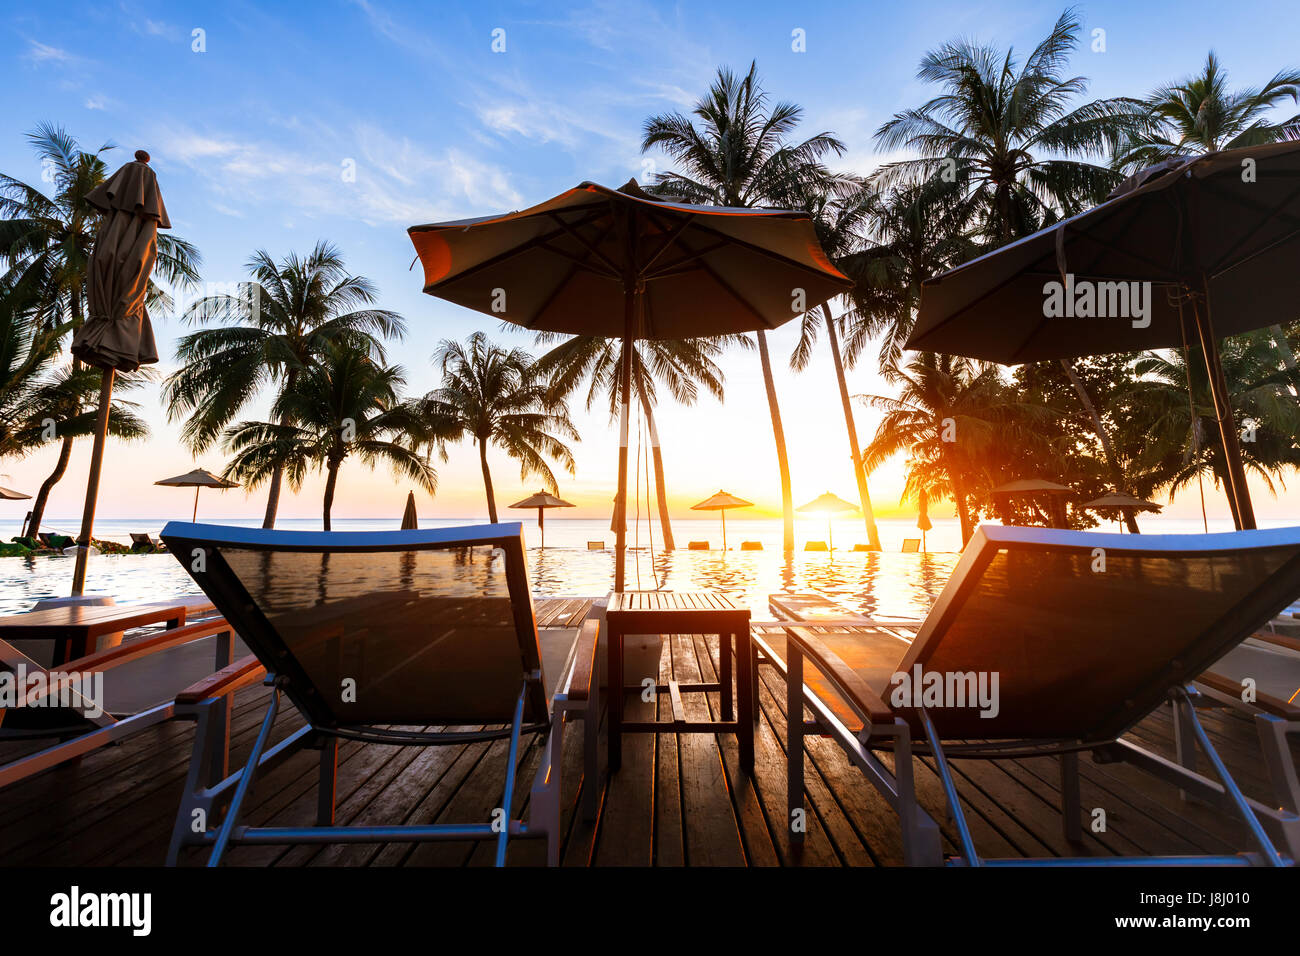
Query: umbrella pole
724	529
541	524
92	483
195	515
620	500
1243	512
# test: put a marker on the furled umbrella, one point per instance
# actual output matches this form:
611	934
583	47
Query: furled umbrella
409	520
1125	504
1038	487
1213	239
117	334
541	501
197	479
829	505
721	502
619	263
923	516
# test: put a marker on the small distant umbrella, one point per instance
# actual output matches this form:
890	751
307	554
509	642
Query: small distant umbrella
409	521
923	516
1124	503
1029	487
827	504
9	495
541	501
721	502
196	479
116	333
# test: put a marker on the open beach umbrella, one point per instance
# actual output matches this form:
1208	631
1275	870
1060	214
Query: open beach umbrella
541	501
1216	236
117	334
197	479
721	502
9	495
1120	502
619	263
923	516
829	505
409	520
1032	487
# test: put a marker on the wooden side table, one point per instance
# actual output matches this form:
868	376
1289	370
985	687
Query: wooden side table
682	612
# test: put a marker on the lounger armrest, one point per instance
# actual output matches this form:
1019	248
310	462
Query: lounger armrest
855	690
1278	640
584	657
1265	702
133	650
245	671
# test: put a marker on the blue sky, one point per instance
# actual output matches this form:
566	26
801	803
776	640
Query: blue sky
251	138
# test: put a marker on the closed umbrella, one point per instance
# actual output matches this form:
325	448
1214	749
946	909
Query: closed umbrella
923	516
409	521
197	479
619	263
829	505
541	501
117	333
721	502
1216	236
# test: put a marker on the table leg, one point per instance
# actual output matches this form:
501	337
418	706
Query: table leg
724	669
745	700
614	676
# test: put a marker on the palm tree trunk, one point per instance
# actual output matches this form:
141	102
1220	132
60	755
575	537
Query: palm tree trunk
1100	428
778	433
42	496
664	521
330	484
487	481
277	475
864	496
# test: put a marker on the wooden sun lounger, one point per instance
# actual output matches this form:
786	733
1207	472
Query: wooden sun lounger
1067	683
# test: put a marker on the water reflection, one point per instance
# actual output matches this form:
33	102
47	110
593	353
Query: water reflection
875	583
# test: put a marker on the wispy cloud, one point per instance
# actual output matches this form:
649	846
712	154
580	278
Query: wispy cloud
42	53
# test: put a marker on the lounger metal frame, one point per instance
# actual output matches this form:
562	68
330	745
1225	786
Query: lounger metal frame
209	786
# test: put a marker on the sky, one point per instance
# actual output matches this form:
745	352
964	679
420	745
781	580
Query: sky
272	126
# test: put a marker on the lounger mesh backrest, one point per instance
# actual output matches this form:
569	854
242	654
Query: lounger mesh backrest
411	628
1087	632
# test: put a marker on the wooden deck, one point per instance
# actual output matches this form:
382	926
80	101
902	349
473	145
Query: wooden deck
678	800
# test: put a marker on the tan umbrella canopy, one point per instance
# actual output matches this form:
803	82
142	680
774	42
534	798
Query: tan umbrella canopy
1218	232
196	479
619	263
541	501
409	520
828	505
721	502
9	495
117	333
1122	502
1029	487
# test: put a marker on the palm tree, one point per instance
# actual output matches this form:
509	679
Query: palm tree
682	365
1010	133
739	155
345	404
953	417
495	396
1019	147
45	245
1200	114
268	334
27	352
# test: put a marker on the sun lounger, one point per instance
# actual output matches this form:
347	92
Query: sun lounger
1159	611
388	638
144	544
816	546
697	546
911	545
751	546
595	545
139	681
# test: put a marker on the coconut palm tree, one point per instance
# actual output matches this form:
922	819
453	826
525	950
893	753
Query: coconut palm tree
343	405
681	365
1011	133
1201	114
737	152
266	334
495	396
45	245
